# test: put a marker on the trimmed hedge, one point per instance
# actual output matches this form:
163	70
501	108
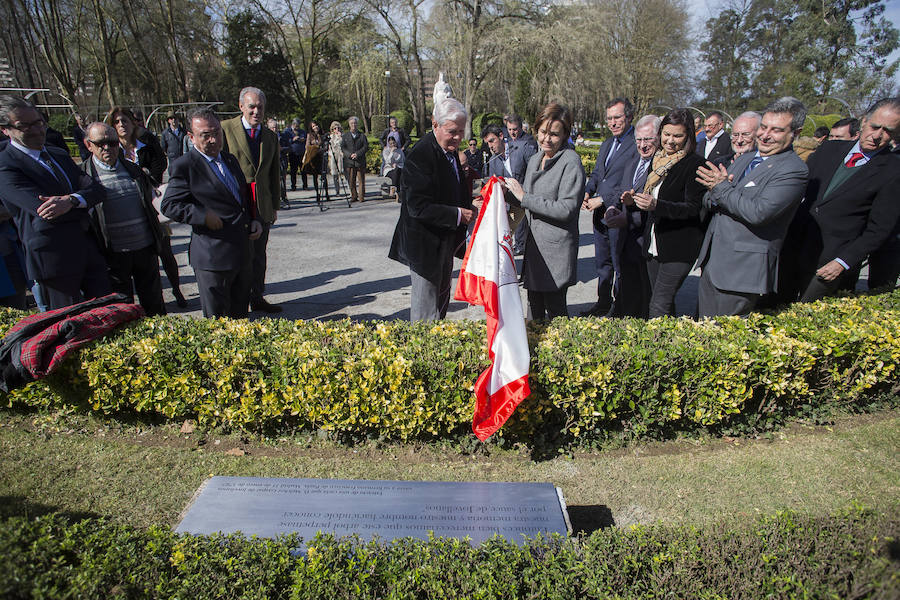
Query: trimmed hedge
590	378
789	555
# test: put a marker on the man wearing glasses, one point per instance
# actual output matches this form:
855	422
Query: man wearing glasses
48	197
126	220
743	137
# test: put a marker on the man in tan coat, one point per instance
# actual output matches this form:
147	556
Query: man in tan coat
257	150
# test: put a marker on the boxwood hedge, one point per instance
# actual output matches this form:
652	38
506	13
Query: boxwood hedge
788	555
401	381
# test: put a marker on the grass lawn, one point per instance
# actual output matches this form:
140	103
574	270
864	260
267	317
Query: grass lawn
146	474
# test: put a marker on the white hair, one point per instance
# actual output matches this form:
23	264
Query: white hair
448	109
251	90
750	114
646	120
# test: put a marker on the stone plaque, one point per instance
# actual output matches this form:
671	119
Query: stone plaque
267	507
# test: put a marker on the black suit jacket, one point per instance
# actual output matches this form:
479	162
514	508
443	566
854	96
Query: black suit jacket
605	178
53	248
428	214
858	216
195	189
679	229
721	149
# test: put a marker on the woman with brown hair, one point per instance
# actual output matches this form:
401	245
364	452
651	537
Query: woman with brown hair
672	198
551	196
141	147
335	156
313	158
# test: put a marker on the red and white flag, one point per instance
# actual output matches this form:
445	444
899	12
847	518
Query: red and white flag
488	278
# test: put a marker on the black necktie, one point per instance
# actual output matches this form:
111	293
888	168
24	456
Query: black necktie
57	172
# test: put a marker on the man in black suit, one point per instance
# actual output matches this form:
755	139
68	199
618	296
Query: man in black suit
434	213
48	197
600	194
717	143
208	191
354	146
850	209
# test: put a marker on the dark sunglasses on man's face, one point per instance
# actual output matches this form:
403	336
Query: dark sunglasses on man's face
105	142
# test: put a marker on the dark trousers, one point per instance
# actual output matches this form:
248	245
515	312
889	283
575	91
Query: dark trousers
884	264
547	305
258	262
665	280
355	174
225	293
170	265
633	285
606	258
138	270
67	290
295	161
818	288
19	282
714	302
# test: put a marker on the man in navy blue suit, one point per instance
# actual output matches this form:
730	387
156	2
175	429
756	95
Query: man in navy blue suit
48	197
207	190
600	194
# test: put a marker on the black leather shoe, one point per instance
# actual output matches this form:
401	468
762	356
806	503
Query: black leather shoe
179	299
597	310
262	306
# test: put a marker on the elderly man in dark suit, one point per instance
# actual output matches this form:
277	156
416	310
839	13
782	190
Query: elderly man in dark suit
851	206
717	143
354	146
207	190
257	151
434	213
48	197
600	194
752	203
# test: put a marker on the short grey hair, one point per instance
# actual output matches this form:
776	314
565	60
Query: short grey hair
750	114
893	103
10	103
791	105
352	119
653	120
251	90
448	109
107	128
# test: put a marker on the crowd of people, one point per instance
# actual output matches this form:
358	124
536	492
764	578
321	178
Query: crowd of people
769	217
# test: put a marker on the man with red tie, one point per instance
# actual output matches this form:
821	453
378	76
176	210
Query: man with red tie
48	198
851	205
258	152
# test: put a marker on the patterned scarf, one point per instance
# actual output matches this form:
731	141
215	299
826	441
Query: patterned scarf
662	164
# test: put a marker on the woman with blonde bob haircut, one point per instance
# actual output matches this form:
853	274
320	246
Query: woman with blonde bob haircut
551	196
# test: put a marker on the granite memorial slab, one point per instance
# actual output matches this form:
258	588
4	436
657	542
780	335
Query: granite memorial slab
267	507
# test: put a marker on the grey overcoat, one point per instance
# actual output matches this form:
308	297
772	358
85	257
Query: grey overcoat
552	200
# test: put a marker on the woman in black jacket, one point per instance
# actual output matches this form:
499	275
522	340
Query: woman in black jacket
672	197
139	145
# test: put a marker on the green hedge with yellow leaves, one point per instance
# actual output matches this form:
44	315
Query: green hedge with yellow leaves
400	381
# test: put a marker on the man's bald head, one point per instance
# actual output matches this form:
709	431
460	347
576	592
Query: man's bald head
103	142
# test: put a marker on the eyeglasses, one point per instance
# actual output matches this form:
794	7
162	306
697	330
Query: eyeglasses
642	140
110	142
26	126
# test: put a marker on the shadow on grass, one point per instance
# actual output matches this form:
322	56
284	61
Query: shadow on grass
19	506
590	518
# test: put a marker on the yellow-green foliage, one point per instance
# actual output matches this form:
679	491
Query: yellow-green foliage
401	381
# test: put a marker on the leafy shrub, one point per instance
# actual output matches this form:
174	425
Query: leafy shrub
588	156
590	378
785	555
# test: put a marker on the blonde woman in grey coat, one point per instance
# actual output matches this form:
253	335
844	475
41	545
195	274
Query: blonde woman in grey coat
551	196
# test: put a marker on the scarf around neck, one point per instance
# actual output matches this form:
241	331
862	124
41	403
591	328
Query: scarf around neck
662	164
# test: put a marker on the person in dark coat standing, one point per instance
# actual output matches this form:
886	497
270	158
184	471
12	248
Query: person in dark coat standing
172	141
354	146
434	212
48	198
208	191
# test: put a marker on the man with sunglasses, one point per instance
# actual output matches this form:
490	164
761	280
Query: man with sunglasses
126	221
48	197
